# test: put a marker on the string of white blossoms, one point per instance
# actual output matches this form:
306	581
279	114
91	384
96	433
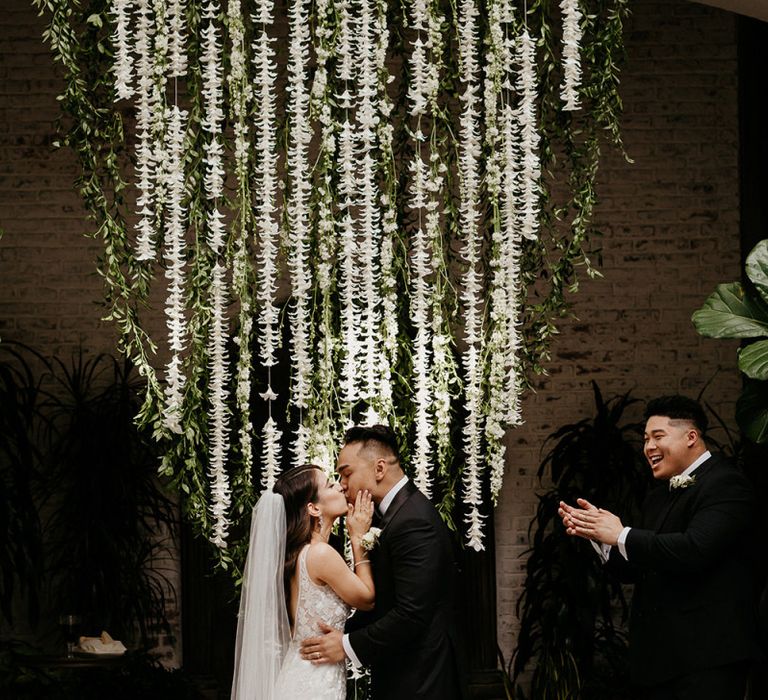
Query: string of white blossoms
177	37
213	115
530	171
267	229
175	257
349	283
321	444
569	90
300	134
368	198
443	371
217	344
123	67
388	355
424	82
146	99
503	190
470	152
240	95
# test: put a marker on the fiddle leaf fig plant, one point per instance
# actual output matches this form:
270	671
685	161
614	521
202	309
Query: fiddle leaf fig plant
740	310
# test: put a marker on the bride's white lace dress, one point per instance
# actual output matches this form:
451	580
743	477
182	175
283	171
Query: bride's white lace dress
299	678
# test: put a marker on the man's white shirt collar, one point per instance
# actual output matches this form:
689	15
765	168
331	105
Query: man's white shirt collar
387	500
702	458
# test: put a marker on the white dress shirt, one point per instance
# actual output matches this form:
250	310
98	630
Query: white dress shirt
604	550
382	509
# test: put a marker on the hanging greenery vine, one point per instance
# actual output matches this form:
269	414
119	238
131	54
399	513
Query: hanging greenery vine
385	175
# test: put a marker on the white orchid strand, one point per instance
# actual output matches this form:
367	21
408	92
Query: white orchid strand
219	415
368	197
177	38
240	95
298	169
569	90
270	454
349	271
146	99
529	136
123	67
175	258
470	153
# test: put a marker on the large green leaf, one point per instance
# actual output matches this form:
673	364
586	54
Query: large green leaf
730	313
752	411
757	268
753	360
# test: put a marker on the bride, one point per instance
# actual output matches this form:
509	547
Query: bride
293	581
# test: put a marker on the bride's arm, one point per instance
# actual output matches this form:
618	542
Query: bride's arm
355	587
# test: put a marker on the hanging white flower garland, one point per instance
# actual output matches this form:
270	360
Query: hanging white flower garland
177	38
123	66
219	428
569	90
240	98
368	200
213	115
389	235
300	134
421	91
267	228
352	220
146	102
175	257
470	152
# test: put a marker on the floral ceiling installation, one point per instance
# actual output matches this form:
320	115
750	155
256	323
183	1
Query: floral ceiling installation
348	208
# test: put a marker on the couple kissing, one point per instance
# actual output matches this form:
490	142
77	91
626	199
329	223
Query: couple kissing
295	633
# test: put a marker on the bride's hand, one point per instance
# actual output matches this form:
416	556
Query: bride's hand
360	515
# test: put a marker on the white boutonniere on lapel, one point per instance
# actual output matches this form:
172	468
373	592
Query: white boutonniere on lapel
681	482
370	539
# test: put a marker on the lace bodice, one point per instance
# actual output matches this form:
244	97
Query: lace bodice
317	603
299	678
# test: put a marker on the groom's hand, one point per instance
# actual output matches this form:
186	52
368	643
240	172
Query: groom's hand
325	649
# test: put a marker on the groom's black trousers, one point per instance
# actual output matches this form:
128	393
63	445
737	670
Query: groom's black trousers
721	683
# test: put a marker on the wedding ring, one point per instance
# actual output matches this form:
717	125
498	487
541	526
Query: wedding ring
317	654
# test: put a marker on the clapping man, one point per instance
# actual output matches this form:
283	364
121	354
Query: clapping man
693	620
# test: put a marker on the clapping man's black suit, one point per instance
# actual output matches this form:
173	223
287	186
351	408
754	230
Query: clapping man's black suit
693	620
410	639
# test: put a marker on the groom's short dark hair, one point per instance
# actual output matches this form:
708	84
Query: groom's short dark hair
378	434
677	407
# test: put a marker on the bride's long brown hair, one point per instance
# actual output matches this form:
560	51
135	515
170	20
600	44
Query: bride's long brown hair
298	487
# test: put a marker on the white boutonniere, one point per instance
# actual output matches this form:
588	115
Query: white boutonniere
681	482
369	540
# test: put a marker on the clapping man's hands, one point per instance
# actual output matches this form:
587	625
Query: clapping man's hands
590	522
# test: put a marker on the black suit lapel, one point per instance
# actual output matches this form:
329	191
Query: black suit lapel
674	494
397	502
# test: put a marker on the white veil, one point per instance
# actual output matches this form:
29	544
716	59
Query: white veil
263	631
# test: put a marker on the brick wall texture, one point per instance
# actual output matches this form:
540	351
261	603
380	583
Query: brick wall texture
670	221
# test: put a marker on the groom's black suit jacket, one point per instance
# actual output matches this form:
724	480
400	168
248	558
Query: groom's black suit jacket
410	639
692	562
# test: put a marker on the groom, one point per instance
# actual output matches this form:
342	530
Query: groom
692	631
409	640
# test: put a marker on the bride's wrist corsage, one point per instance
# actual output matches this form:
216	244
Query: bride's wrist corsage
370	539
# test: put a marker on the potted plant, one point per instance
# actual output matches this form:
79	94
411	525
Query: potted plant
569	640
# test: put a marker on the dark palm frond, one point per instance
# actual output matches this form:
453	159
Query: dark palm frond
568	606
20	459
